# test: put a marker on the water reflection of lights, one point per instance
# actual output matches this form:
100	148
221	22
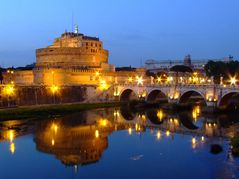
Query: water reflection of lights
12	148
160	114
130	131
202	138
167	133
11	135
194	142
196	112
158	135
11	139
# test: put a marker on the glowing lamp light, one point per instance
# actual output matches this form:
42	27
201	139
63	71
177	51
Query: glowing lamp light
97	73
202	138
233	80
130	79
103	85
52	142
167	133
54	127
116	113
159	79
54	89
9	90
97	134
103	122
139	80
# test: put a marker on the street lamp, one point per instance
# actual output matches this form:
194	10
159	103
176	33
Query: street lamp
233	81
139	80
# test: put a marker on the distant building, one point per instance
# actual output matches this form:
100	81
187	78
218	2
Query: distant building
165	65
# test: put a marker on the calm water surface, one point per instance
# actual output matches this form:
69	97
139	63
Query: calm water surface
116	143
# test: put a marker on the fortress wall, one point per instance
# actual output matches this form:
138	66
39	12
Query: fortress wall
64	57
32	95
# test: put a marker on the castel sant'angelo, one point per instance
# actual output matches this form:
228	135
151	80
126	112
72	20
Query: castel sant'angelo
73	59
74	68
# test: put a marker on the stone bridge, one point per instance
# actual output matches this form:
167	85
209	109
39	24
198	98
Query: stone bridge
211	94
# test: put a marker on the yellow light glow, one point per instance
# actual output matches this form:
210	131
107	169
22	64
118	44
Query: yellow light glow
54	127
194	140
202	139
167	133
11	135
233	80
196	112
9	90
159	79
130	131
144	94
103	85
12	148
169	79
97	73
97	133
130	79
160	114
54	89
52	142
116	113
103	122
139	80
176	95
176	122
143	117
158	135
195	73
136	126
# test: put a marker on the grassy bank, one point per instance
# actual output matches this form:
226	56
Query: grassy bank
45	111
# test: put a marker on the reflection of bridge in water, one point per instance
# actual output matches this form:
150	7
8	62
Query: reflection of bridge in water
81	139
183	123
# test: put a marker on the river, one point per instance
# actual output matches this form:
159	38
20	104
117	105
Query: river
119	143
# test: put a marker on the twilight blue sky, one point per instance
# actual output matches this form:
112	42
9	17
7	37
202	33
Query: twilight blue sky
132	30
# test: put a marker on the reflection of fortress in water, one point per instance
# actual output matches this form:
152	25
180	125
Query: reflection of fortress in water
82	139
73	145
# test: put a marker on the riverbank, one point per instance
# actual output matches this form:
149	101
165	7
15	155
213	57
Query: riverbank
48	111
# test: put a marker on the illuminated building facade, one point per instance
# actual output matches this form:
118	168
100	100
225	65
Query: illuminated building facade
72	59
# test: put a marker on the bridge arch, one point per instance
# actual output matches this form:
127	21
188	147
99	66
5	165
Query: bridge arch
192	94
156	95
230	98
128	95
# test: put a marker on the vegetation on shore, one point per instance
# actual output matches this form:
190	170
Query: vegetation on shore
45	111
